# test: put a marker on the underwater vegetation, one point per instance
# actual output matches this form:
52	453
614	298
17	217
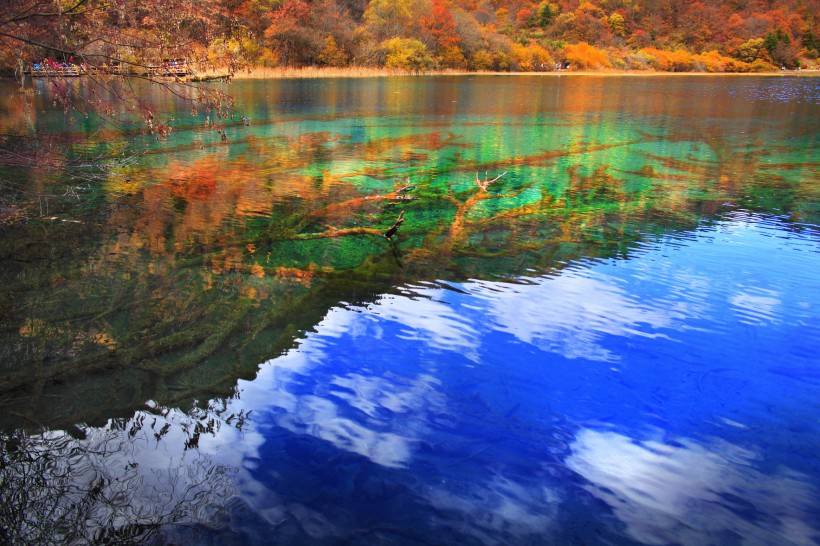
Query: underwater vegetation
168	278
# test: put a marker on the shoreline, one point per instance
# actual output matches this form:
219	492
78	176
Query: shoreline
313	72
365	72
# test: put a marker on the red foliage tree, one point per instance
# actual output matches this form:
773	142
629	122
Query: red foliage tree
288	32
441	26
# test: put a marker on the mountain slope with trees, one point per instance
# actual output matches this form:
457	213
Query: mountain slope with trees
666	35
419	35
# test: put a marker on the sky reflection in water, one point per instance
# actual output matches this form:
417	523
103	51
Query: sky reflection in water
664	399
526	413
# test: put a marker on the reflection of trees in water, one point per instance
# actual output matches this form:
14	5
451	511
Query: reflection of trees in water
116	484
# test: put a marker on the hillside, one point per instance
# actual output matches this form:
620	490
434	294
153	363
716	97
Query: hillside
419	35
667	35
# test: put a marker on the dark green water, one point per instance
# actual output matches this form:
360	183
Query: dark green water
599	284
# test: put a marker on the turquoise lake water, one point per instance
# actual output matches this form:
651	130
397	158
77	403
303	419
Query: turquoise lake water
598	321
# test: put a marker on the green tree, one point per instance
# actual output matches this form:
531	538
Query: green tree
781	49
545	13
481	60
774	38
810	41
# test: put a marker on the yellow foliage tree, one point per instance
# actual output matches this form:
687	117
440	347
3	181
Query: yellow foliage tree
481	60
617	25
235	51
656	58
332	55
407	54
751	50
532	57
681	60
712	61
582	56
451	57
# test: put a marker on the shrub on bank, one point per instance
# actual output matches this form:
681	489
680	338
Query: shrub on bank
407	54
532	57
582	56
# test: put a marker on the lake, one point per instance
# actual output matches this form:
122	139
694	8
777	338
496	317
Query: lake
418	310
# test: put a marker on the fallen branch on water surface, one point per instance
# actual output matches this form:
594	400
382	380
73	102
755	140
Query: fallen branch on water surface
392	231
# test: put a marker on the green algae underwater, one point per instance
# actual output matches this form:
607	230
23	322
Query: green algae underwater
171	277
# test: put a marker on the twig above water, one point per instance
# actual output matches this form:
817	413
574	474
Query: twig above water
484	184
392	231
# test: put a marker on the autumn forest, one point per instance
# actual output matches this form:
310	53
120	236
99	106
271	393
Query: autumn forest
418	35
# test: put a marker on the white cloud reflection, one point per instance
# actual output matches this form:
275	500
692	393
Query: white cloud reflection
371	394
396	407
570	314
430	321
320	417
756	305
498	510
689	494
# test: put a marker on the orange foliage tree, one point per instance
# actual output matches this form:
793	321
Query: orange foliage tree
582	56
442	28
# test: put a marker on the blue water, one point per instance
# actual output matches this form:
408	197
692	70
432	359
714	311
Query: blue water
669	398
